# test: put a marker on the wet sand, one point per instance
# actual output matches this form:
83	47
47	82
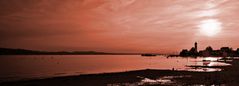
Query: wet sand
229	76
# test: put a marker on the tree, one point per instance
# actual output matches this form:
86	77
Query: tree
237	52
209	48
184	52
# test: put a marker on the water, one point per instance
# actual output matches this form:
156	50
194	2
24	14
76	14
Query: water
165	80
44	66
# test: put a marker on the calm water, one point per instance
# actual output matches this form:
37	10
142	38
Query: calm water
42	66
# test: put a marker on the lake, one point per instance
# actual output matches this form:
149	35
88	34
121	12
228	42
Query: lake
17	67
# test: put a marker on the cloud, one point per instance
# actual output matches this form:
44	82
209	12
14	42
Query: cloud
113	25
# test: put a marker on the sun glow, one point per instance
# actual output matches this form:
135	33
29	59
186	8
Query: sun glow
210	27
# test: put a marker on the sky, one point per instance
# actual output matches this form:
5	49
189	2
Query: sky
159	26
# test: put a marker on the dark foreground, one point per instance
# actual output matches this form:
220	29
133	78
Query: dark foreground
229	76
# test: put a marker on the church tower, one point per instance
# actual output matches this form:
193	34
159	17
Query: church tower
196	46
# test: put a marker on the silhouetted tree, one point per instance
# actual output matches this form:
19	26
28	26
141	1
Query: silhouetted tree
184	52
225	49
209	48
237	51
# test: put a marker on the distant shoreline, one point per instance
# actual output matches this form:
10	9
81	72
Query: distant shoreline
66	54
9	51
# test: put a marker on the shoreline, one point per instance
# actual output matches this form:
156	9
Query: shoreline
101	79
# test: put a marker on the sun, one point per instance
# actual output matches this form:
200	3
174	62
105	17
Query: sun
210	27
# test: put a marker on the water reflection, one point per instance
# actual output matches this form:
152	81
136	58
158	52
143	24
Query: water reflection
204	69
211	58
201	64
147	81
165	80
207	64
22	67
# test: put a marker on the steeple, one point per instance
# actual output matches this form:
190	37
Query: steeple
196	46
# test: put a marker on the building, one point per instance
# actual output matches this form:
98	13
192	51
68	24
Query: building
222	52
192	52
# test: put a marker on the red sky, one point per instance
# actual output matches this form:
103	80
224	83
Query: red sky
164	26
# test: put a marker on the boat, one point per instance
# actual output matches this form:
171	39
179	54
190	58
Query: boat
148	55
